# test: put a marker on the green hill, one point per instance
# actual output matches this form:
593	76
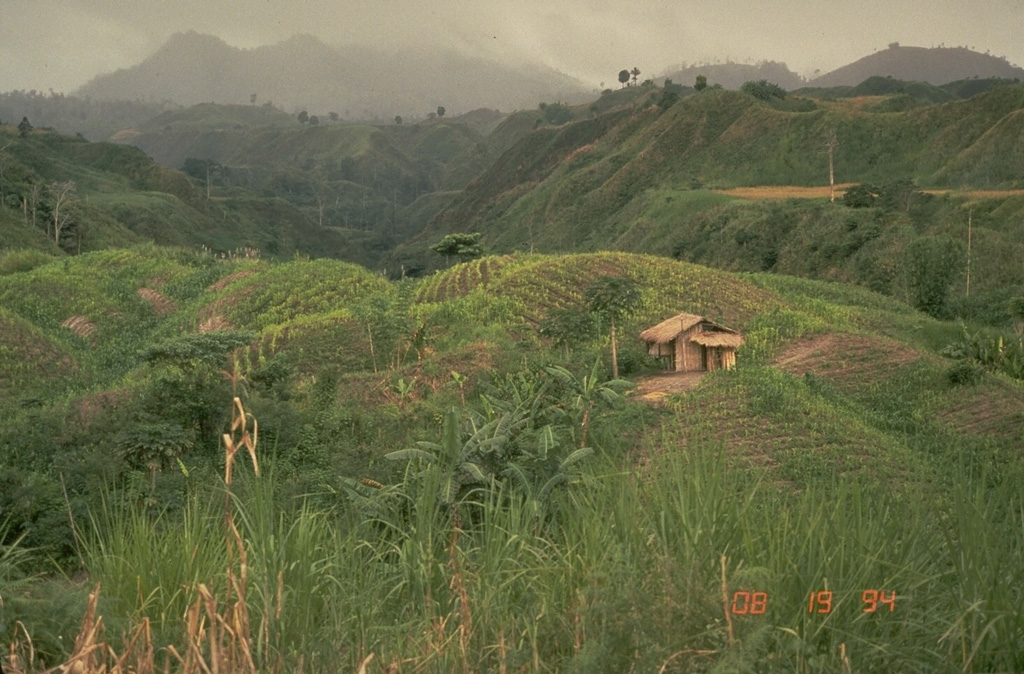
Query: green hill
638	180
120	196
937	65
840	421
350	176
733	75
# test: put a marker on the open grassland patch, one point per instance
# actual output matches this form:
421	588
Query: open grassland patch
782	192
93	406
333	342
213	322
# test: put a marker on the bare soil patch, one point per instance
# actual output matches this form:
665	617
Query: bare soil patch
784	191
654	388
230	278
986	410
214	323
845	358
162	305
80	325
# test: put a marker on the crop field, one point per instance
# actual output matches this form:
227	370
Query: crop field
461	279
837	467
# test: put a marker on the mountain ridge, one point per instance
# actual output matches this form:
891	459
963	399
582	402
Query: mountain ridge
923	64
935	65
357	82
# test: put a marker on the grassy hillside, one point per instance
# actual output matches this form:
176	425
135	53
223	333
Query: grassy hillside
94	119
120	197
733	75
341	175
904	95
635	180
840	425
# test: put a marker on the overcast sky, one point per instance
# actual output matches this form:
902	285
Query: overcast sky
62	44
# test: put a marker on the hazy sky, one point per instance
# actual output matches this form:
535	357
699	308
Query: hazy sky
62	44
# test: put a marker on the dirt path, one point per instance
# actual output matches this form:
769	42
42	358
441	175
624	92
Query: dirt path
654	388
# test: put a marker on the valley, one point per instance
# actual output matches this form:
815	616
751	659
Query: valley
284	396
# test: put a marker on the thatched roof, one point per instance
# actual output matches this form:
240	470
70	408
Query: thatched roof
730	339
670	328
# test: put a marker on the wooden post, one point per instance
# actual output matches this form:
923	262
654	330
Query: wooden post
831	141
970	216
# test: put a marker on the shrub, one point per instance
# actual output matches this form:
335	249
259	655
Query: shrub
22	260
964	373
763	90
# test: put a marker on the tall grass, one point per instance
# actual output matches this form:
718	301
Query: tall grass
626	571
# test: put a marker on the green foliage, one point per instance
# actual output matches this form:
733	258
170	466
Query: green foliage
763	90
461	245
22	260
1016	310
898	194
612	297
668	99
861	195
934	264
964	374
200	169
981	350
190	352
567	326
556	113
701	83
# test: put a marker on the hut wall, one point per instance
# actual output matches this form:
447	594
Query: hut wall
663	351
690	357
728	358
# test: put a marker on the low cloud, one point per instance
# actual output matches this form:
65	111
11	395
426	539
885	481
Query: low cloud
61	44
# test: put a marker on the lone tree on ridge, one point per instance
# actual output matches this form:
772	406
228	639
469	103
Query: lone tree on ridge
461	245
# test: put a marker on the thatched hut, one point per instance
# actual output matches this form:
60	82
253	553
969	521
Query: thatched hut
691	343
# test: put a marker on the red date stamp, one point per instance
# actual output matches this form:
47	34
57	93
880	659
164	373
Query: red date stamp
745	602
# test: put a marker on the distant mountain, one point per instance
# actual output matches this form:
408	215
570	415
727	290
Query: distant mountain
355	82
733	75
937	65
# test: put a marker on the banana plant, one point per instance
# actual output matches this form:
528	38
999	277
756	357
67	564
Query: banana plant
540	470
470	446
585	394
